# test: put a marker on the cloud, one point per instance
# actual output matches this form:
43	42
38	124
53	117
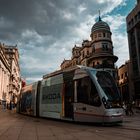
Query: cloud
45	31
116	24
81	8
121	48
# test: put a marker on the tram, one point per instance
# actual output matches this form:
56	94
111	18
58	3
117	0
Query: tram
80	94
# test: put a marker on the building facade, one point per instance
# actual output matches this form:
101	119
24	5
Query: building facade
125	82
4	76
15	78
133	30
10	79
97	52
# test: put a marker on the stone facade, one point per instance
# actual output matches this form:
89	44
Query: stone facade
10	79
97	52
4	76
133	30
125	82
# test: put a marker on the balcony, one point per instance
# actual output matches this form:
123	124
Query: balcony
104	66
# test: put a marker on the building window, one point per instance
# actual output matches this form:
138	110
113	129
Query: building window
105	46
129	24
104	34
118	77
108	35
121	76
136	18
126	74
95	36
139	15
93	48
132	22
99	35
87	52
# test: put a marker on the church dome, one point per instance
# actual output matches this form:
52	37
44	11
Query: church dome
100	25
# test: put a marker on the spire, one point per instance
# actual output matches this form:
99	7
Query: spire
99	16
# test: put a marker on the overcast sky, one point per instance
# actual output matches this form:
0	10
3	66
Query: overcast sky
46	30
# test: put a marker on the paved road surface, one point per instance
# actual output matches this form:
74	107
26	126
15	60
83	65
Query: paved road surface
19	127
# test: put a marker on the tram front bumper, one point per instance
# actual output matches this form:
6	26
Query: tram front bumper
112	117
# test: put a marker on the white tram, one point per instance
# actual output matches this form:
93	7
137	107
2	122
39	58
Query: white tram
80	94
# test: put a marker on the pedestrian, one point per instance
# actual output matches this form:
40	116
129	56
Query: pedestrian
124	108
130	109
127	109
4	105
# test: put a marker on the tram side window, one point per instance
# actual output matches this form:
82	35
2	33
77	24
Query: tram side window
87	93
94	96
82	91
26	102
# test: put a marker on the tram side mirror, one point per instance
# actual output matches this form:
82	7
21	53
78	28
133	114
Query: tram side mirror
103	99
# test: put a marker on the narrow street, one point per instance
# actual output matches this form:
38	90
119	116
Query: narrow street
15	126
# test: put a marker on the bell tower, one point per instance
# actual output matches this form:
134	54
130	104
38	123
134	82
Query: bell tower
102	46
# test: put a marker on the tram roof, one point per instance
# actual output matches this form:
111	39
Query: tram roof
60	71
66	70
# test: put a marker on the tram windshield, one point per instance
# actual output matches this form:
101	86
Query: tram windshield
87	92
107	83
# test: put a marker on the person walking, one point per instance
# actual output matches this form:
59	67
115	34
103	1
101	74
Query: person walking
125	108
130	109
3	105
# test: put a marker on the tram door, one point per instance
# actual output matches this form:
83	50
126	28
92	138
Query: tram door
69	94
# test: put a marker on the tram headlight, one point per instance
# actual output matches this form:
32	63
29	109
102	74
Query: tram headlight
106	103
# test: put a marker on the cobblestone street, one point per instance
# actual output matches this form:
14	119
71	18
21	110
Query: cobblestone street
14	126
